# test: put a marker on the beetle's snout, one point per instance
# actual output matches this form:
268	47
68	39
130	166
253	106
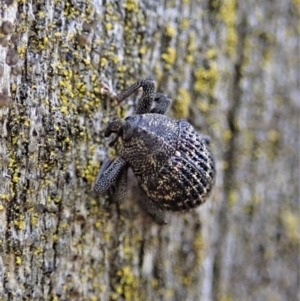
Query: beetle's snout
114	127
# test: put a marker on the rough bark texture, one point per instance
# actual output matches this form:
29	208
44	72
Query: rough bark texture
232	69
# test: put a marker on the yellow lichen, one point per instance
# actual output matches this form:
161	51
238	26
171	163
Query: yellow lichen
15	178
181	104
108	26
169	57
211	54
4	197
232	197
206	79
273	135
34	220
226	135
225	298
143	49
20	224
184	24
291	224
170	31
131	5
18	260
228	13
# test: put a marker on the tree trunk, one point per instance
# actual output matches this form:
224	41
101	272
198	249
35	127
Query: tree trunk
232	70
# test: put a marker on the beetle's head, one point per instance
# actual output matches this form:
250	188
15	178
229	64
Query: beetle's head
130	127
122	128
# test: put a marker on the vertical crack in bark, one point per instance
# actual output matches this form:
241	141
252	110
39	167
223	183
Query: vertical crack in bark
51	282
230	157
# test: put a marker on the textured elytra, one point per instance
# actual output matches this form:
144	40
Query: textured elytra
171	161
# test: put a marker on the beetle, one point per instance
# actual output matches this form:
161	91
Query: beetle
170	159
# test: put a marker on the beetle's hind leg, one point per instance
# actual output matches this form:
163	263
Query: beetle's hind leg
153	210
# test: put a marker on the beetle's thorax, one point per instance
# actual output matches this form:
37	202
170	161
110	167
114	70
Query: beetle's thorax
152	141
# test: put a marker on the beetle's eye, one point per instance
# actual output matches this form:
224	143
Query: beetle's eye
127	132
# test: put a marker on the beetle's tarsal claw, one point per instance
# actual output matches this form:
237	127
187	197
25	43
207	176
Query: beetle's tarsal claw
105	90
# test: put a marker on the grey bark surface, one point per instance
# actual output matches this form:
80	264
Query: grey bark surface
232	70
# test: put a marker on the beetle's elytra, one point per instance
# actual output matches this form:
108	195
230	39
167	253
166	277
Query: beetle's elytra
171	161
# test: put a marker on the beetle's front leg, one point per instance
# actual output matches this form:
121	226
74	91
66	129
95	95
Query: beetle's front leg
108	174
144	103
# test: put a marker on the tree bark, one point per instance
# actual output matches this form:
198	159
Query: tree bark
232	70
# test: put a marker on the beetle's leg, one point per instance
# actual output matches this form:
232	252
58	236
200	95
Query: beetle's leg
104	166
108	174
153	210
162	103
120	186
145	102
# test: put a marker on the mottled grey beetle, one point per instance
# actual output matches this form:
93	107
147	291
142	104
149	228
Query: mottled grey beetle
171	161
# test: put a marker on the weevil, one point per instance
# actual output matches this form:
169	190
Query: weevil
170	159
